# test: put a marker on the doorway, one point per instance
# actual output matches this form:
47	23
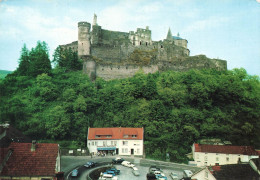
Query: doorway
132	151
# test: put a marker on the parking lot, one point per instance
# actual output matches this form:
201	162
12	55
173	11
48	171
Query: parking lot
126	173
72	162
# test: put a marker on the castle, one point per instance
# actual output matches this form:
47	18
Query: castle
113	55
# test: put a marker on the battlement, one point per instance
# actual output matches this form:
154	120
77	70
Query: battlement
86	24
113	54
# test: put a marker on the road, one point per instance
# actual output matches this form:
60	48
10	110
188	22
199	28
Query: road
68	163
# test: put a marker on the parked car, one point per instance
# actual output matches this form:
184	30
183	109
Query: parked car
135	168
187	173
75	173
150	176
174	176
116	171
160	177
127	164
136	172
154	168
110	172
158	172
90	164
117	160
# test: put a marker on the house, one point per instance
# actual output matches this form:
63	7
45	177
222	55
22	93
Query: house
10	134
235	171
117	140
203	174
209	155
30	161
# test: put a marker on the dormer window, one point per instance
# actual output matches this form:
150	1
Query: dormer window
108	136
98	136
134	136
125	136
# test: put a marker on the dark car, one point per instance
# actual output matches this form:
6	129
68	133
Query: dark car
116	171
151	176
90	164
118	160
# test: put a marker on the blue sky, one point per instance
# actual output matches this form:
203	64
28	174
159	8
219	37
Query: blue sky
225	29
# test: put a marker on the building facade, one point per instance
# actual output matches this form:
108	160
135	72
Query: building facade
210	155
121	141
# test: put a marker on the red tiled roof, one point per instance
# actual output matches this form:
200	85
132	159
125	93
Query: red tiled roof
115	133
3	153
24	162
245	150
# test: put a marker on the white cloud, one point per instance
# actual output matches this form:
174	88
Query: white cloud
209	23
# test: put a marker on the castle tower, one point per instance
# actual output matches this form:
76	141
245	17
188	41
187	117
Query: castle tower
169	35
83	39
96	31
94	20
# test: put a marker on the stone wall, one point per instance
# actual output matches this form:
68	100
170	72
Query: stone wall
193	62
109	72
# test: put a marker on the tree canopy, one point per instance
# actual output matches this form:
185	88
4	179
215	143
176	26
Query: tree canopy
175	108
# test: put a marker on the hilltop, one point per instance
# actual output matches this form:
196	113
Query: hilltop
3	73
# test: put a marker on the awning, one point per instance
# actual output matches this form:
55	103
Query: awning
106	148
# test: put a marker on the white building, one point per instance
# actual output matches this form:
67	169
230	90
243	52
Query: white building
210	155
121	141
203	174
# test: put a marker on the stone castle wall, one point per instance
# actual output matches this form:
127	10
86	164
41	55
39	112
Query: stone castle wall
108	72
113	54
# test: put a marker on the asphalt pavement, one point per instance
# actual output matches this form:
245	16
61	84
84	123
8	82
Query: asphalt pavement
68	163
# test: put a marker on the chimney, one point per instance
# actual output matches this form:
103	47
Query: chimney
33	148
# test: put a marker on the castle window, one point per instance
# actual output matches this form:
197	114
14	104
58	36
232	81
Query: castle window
146	43
140	43
161	46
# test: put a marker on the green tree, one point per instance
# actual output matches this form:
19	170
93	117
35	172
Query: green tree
24	62
39	59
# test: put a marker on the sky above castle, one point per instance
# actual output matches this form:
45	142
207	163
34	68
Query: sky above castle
226	29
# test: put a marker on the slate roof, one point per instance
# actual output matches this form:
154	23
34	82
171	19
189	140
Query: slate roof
24	162
176	37
115	133
234	171
245	150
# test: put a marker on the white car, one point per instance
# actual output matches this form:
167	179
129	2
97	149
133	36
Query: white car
158	172
187	173
174	176
135	168
127	164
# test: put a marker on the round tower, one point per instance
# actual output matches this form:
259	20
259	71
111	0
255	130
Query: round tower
83	39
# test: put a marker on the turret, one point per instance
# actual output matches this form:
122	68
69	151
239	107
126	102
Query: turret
94	20
96	31
83	39
169	35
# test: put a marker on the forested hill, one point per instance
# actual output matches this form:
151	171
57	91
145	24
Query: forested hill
175	108
3	73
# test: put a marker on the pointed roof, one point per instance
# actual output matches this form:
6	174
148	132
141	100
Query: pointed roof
169	35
